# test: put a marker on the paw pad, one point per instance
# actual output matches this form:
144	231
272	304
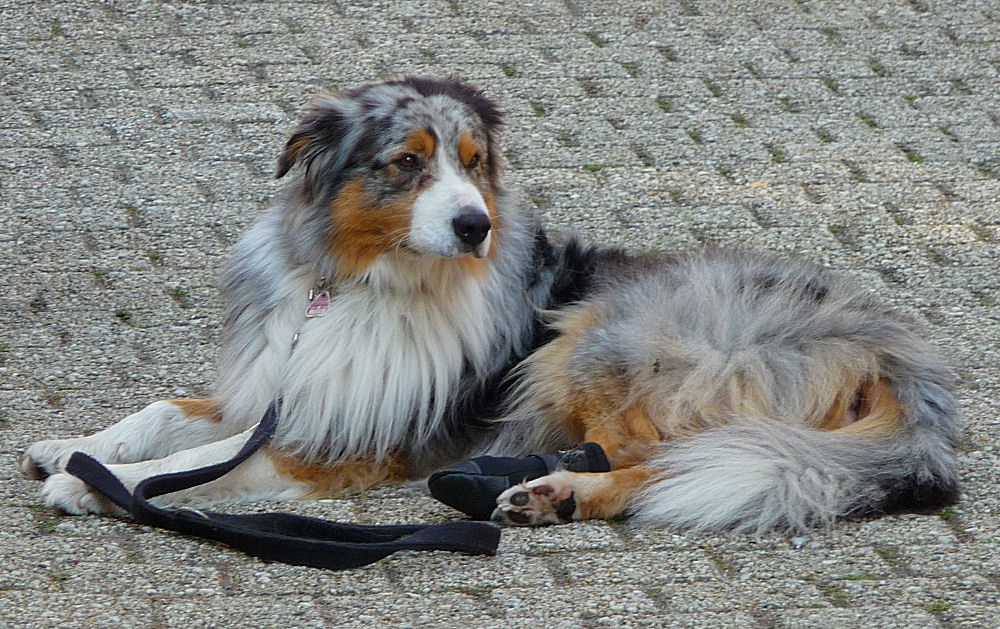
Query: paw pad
542	501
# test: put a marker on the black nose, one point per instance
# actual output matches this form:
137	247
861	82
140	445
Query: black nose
471	226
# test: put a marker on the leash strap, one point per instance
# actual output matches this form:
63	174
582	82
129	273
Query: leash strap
283	537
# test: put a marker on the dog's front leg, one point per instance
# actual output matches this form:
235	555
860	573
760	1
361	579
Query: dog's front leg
268	474
156	431
250	480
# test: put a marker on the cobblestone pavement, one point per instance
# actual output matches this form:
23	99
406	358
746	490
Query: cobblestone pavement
138	142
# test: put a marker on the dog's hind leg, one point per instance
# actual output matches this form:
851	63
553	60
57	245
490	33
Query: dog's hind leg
156	431
566	496
596	404
268	474
628	441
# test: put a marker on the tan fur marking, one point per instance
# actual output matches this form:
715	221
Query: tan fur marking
607	494
563	399
626	439
840	413
868	408
294	148
362	231
326	480
603	409
468	148
420	142
290	155
490	198
207	408
879	411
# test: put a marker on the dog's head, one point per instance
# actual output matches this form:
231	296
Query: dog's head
406	166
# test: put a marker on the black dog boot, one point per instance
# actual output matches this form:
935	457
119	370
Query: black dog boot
473	486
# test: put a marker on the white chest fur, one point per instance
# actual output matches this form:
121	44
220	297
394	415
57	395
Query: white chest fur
380	368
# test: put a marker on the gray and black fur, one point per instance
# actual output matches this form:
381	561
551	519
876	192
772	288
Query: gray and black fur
685	331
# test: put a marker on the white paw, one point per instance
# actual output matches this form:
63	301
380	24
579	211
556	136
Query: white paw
73	496
546	500
44	458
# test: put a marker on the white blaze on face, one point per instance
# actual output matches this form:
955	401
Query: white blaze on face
431	227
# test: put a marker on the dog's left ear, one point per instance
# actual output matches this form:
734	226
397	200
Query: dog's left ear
321	130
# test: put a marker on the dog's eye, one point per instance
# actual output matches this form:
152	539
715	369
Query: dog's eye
473	162
408	161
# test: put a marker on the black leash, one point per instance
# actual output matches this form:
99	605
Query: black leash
284	537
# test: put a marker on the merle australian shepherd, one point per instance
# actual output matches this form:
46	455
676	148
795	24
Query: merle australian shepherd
410	312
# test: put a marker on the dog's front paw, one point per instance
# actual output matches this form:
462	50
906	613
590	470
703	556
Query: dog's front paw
72	495
45	458
546	500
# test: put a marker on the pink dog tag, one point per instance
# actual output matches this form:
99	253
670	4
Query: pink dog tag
319	305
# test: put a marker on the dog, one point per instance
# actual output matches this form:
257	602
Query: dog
409	312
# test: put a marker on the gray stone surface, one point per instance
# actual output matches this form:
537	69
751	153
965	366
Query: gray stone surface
137	142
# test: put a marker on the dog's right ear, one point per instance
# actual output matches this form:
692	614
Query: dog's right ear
293	149
321	130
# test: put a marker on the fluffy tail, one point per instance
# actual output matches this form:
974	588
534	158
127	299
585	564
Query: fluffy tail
758	475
